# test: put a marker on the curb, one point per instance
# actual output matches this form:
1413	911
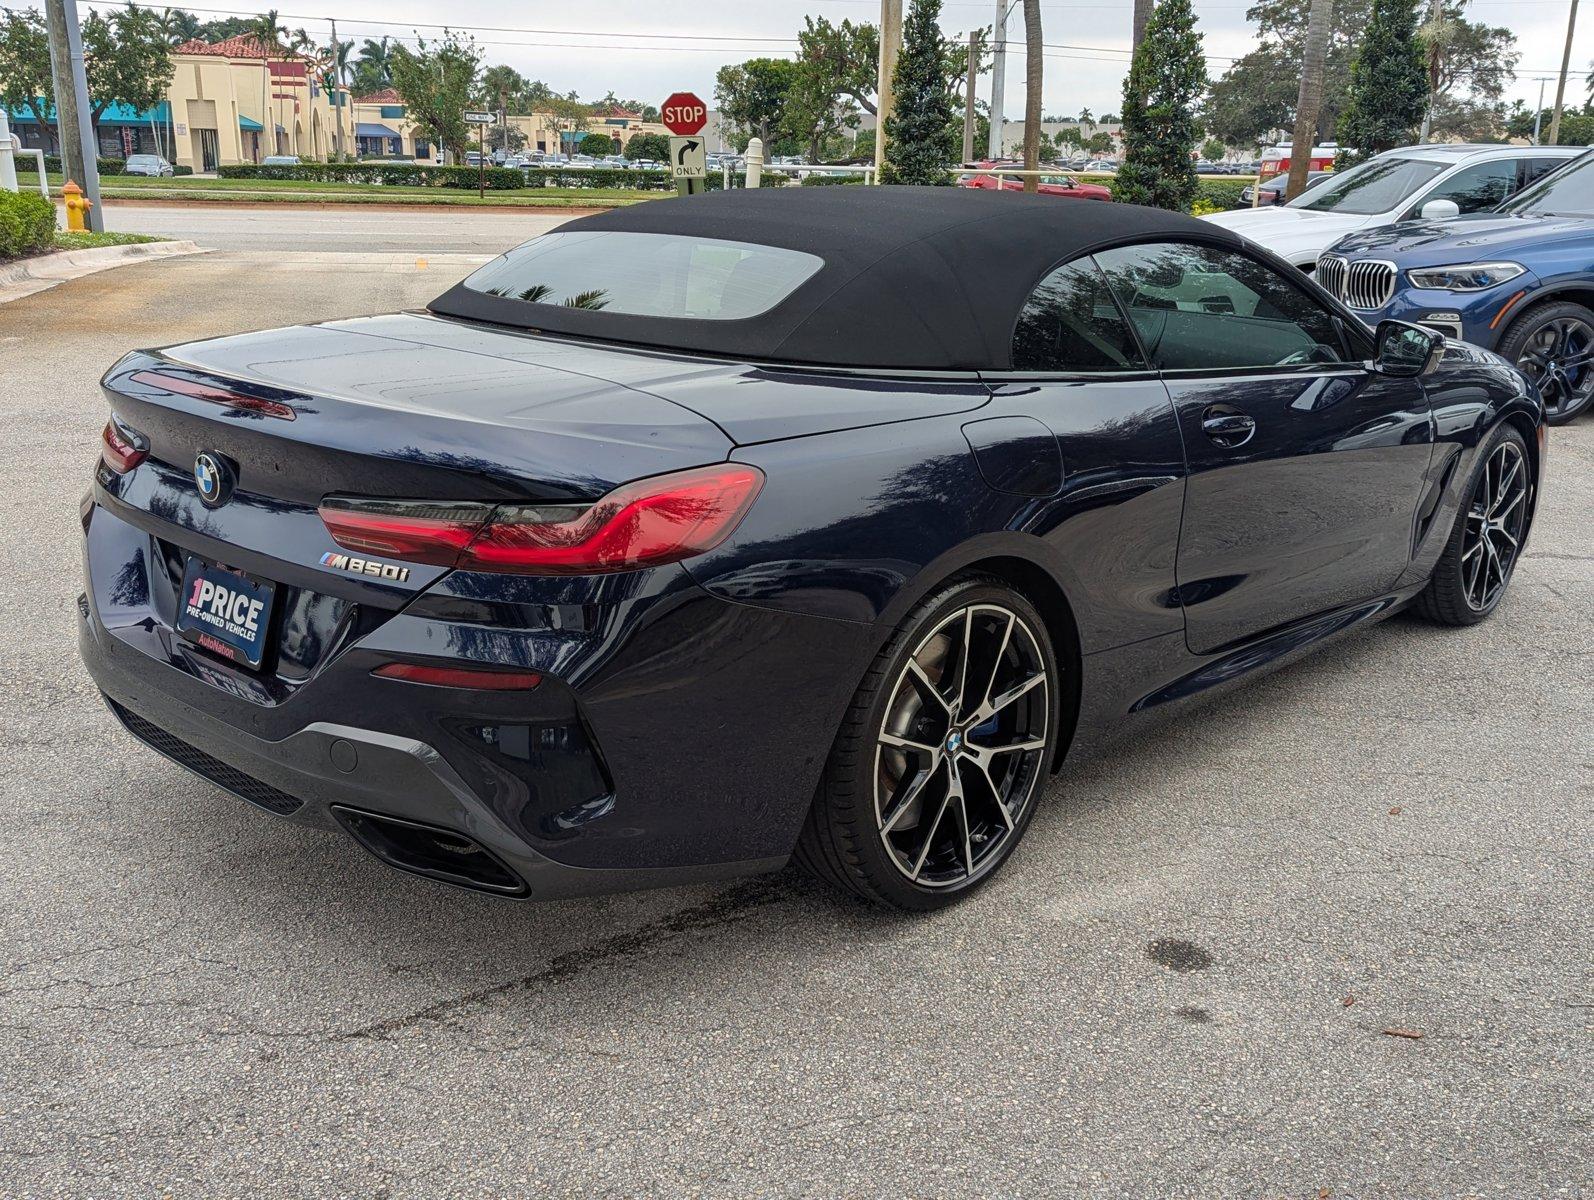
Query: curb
32	275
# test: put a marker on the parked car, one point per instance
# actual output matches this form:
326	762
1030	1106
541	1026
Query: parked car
1518	281
1274	189
280	160
147	164
816	522
1050	185
1399	185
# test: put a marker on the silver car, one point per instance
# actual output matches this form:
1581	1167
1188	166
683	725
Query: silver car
147	164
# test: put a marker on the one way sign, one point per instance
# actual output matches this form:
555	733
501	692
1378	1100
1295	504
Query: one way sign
687	158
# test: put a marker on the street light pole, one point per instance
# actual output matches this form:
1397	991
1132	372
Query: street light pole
993	147
1538	114
79	154
890	43
339	96
1560	84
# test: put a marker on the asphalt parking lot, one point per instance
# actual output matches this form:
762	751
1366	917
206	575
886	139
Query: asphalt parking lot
1179	987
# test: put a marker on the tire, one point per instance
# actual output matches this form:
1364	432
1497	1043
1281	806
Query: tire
1553	345
937	768
1487	538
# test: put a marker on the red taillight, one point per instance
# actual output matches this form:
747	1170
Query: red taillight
641	524
215	395
653	521
478	679
120	448
411	530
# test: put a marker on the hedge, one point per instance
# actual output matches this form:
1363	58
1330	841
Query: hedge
396	174
1219	195
27	164
27	224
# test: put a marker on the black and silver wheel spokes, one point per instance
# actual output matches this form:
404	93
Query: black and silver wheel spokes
1560	359
1495	524
962	745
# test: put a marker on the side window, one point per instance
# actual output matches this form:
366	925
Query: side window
1070	323
1199	308
1476	188
1534	169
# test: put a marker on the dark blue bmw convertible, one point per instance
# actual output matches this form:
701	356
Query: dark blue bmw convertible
821	522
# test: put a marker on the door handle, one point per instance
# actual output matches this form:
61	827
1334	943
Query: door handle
1227	426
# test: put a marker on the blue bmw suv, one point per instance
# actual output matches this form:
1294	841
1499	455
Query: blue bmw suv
1518	281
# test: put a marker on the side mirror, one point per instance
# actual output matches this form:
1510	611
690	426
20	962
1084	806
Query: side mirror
1406	351
1440	210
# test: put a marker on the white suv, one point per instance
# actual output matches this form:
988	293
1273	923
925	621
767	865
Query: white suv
1432	181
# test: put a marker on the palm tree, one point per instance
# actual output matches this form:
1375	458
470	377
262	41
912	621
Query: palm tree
269	31
1309	102
1142	15
373	68
177	25
1033	66
1085	119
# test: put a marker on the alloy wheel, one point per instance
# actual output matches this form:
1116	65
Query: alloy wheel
1495	524
1559	357
961	746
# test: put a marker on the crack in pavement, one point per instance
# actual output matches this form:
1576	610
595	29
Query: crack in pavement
724	908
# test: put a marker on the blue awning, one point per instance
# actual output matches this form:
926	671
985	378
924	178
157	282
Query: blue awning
249	125
114	114
369	129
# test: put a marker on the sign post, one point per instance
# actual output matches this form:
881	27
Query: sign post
684	115
481	120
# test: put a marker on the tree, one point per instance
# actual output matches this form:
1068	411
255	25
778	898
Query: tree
846	56
920	137
127	60
1310	97
178	25
1166	78
500	86
752	95
1388	82
1255	98
435	81
1213	149
1471	65
1097	143
372	68
597	145
648	145
25	81
1034	68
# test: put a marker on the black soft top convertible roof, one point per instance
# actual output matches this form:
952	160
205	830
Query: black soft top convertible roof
915	278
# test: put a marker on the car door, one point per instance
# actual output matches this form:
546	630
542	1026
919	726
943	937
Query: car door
1305	467
1115	497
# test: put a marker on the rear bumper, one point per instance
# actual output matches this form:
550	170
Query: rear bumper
326	771
675	737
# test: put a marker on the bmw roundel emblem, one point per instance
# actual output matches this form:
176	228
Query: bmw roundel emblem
213	476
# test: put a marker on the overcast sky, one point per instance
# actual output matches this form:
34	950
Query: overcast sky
581	47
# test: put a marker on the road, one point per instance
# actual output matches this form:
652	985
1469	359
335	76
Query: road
334	228
1178	987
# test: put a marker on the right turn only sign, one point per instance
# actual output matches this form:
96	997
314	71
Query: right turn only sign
688	159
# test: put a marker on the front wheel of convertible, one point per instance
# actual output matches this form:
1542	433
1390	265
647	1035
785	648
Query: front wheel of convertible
1481	555
941	758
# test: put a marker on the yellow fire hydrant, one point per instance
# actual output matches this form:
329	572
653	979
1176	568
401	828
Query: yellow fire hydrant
77	205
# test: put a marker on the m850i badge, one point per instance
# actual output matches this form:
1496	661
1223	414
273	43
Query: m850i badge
364	566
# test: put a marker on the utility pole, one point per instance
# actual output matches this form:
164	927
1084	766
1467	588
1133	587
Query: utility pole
1538	114
890	43
79	154
998	78
340	97
1560	84
968	97
1436	16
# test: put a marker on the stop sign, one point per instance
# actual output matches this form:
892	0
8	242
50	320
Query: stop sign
684	113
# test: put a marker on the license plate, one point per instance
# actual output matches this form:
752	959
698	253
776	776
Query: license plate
225	611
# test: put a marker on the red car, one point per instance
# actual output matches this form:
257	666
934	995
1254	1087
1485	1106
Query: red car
1050	185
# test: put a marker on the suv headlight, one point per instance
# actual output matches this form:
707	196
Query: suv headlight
1465	277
